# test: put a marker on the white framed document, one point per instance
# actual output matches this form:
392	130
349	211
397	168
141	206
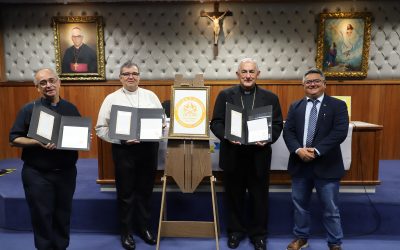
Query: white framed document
150	128
129	123
257	130
74	133
189	113
44	125
66	132
123	124
150	124
248	127
259	125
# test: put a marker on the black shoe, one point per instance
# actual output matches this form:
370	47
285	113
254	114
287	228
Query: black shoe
259	244
234	240
148	237
128	242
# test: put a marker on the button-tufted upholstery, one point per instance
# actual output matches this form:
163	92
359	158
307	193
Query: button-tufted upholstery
170	38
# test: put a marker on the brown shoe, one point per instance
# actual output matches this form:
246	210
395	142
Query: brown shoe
335	247
297	244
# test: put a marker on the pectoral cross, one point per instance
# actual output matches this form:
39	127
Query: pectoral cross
217	18
76	66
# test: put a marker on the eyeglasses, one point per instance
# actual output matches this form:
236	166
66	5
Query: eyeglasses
77	36
315	81
51	81
128	74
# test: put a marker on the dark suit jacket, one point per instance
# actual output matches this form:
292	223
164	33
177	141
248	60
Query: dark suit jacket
331	131
228	151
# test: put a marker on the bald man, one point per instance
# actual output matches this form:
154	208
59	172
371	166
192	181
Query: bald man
246	167
48	174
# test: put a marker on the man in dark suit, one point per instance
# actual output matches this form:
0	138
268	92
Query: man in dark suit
246	166
315	127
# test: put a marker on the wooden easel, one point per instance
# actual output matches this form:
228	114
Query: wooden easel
188	161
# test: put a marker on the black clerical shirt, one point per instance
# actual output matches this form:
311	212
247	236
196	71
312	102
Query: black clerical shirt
36	156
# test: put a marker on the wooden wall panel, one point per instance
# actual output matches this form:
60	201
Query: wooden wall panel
372	101
390	99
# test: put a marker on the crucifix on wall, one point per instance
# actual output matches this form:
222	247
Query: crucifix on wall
216	17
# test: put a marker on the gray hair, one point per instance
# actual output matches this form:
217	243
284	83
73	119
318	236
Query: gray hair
35	81
247	60
314	71
128	64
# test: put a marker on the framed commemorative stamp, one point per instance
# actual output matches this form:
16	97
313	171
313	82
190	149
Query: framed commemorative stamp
189	113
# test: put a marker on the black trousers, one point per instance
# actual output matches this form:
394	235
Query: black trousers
49	196
135	170
246	212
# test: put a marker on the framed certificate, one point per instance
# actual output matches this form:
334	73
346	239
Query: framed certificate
259	125
129	123
234	123
248	127
189	113
122	123
44	125
74	133
66	132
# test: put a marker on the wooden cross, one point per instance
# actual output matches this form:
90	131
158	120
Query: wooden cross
216	17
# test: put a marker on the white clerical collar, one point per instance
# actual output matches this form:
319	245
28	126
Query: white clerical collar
130	92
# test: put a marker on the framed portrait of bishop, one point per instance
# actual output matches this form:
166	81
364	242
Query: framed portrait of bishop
79	47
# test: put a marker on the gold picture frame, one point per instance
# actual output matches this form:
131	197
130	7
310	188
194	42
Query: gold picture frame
79	47
343	44
189	113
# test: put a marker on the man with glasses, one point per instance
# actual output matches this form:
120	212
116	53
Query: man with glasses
315	127
246	167
48	174
135	162
79	58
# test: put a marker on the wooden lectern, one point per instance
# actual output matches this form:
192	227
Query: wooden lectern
188	159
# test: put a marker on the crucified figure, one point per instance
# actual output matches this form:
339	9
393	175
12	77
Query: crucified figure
217	28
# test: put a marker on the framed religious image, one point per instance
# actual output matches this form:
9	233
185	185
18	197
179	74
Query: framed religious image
189	113
79	47
343	44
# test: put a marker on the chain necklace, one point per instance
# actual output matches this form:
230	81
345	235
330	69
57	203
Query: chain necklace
254	98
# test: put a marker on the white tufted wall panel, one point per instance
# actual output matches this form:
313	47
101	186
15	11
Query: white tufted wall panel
170	38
